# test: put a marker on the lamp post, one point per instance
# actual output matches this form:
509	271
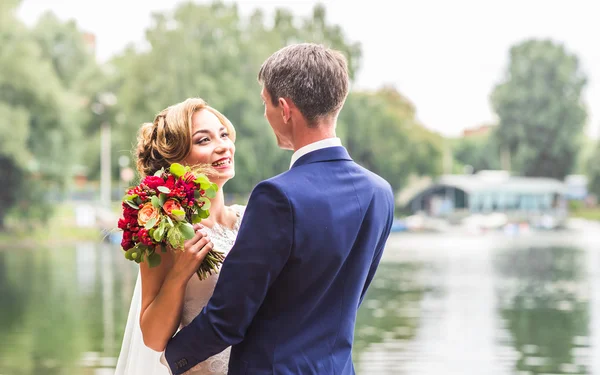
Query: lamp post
105	99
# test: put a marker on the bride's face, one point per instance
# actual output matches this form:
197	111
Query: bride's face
211	145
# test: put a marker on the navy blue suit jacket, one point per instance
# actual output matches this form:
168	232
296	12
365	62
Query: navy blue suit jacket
289	290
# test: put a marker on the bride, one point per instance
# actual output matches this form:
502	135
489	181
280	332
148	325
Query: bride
169	296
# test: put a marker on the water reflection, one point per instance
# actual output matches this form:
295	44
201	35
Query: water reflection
390	313
56	312
543	303
437	305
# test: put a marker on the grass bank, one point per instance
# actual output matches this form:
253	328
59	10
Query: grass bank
586	213
60	229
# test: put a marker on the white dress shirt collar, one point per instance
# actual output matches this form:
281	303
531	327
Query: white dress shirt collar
324	143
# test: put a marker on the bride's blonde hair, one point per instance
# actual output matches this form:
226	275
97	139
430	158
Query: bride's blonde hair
168	139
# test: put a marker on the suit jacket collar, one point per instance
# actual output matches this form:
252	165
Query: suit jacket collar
324	154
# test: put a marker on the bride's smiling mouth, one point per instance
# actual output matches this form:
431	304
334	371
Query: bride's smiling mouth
222	163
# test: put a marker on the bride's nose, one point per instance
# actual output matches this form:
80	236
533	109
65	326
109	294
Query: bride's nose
221	148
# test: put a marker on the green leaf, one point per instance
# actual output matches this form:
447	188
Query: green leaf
155	201
132	205
178	212
196	218
164	189
159	172
162	198
211	193
163	224
177	169
215	186
158	233
187	230
153	260
206	201
135	253
175	238
170	221
130	197
202	179
204	214
151	223
196	194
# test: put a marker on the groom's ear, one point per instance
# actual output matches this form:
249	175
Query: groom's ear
286	112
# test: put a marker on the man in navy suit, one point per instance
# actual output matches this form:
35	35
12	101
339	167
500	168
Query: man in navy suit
309	243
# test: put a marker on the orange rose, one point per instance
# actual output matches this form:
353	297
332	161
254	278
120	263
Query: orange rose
173	205
147	213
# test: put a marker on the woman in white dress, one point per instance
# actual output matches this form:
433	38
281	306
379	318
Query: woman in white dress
171	295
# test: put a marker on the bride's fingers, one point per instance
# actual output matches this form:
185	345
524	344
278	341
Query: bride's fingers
197	237
205	250
195	248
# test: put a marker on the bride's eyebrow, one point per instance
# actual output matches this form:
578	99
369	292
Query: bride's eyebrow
206	131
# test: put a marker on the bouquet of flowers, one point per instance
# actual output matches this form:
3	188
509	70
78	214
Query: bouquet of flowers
158	215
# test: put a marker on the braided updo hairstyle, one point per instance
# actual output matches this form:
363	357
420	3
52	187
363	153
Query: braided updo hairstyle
168	139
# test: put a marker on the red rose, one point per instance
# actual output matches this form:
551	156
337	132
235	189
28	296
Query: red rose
122	224
172	205
153	182
127	241
129	212
170	183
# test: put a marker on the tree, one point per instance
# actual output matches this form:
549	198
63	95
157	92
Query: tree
593	171
211	51
38	127
381	133
540	109
62	43
481	152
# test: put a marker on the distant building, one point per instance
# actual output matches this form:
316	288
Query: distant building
487	192
577	186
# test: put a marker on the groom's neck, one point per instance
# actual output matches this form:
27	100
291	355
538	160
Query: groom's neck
305	135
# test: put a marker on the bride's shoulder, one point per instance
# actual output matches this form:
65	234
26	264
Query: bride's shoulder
238	208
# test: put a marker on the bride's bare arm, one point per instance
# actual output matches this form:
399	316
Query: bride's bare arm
163	289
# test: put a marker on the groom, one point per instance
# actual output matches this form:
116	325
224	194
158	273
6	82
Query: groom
309	243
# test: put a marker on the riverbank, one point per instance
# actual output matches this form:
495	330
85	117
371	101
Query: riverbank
586	213
61	229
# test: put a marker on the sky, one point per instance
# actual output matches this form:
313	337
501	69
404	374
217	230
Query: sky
445	56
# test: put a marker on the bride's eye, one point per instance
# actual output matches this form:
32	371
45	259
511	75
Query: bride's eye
226	135
202	140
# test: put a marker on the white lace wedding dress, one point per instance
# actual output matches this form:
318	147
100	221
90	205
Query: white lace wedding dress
137	359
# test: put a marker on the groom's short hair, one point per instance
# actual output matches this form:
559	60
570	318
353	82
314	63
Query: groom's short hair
313	76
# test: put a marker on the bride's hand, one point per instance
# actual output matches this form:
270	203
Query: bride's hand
187	261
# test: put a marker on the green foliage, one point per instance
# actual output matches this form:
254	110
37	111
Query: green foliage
215	53
479	152
592	170
381	133
41	110
540	109
52	100
63	45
